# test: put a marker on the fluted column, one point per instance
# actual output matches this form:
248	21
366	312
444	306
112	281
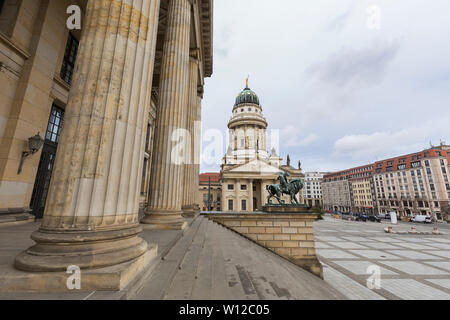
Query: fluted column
166	180
197	148
189	167
91	216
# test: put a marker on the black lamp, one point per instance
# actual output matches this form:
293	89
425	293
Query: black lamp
34	144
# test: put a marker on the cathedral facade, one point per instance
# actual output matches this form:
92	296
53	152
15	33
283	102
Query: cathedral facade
247	167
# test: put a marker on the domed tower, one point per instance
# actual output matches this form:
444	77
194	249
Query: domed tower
247	129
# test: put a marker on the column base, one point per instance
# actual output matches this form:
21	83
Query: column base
188	211
113	278
55	250
172	220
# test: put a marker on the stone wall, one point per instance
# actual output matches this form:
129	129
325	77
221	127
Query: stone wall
288	235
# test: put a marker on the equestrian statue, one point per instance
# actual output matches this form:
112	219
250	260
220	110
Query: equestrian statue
290	188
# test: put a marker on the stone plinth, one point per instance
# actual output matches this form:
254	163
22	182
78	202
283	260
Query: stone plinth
113	278
290	235
278	208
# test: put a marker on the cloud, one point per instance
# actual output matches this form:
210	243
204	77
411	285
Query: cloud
391	143
339	22
355	67
310	139
291	137
318	68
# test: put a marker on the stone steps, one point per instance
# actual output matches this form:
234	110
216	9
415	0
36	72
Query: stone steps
211	262
159	282
183	283
203	283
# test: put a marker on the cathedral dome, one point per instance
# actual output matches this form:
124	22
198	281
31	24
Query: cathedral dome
247	96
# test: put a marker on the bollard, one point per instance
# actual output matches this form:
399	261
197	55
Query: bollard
435	230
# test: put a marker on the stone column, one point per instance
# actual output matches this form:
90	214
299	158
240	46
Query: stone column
91	216
189	167
166	186
197	149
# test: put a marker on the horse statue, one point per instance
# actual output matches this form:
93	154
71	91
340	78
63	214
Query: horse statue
291	188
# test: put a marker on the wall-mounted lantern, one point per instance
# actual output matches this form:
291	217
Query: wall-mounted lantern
35	143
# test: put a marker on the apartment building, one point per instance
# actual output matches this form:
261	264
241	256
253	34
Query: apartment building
336	192
416	183
350	190
312	191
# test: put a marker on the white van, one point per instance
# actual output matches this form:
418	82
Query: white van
421	218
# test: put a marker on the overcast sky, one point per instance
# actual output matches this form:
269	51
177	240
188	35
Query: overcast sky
342	92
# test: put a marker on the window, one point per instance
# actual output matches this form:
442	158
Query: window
54	125
230	205
8	15
244	205
70	56
428	171
231	187
415	164
243	187
427	163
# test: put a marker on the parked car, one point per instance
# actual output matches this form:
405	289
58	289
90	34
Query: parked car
374	218
363	217
421	218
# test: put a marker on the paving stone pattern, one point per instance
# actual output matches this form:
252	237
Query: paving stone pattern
411	266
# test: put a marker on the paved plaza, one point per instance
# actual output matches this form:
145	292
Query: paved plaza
411	266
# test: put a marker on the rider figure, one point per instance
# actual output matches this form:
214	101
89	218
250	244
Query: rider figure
282	176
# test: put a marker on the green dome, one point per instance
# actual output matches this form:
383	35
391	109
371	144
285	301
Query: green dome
247	96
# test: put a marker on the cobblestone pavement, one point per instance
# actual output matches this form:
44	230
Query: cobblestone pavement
410	266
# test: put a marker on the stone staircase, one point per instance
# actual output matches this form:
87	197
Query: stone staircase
211	262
